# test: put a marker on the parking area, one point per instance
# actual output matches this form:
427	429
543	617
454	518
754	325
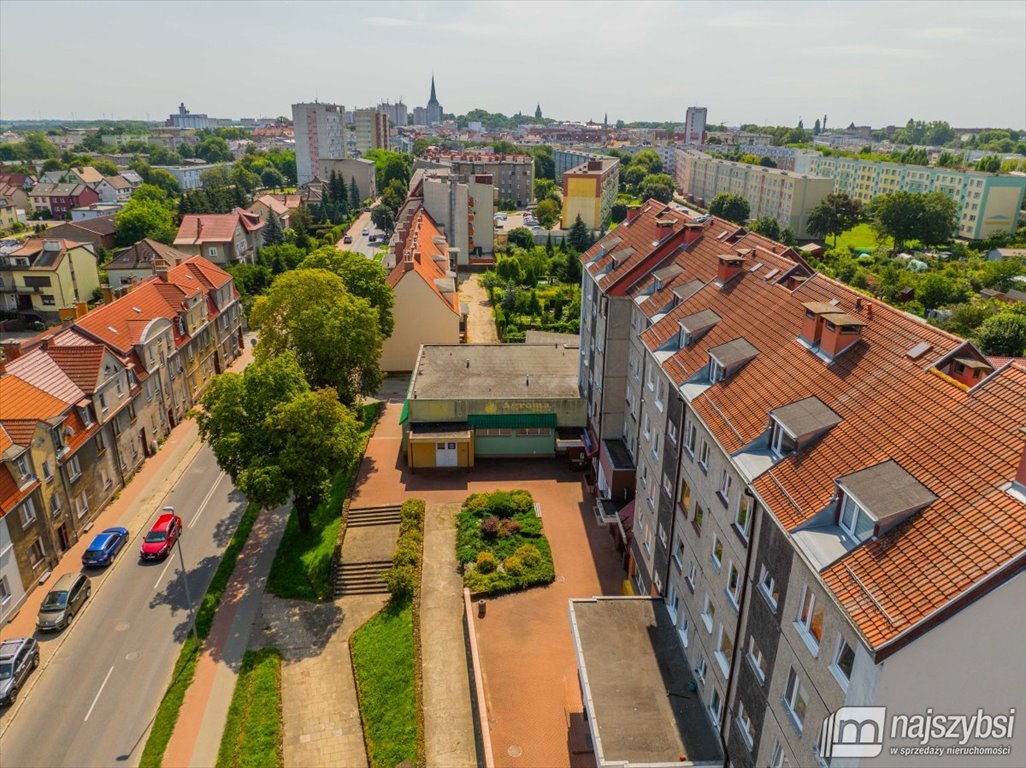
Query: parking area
530	672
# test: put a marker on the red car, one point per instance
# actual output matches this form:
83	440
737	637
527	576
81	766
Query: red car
162	536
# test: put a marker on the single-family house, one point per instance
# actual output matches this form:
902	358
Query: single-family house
97	230
47	275
136	262
114	189
222	238
277	204
59	199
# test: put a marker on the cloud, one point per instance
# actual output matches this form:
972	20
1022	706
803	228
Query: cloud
870	51
387	21
947	33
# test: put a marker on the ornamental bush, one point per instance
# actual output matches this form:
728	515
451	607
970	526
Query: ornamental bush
486	562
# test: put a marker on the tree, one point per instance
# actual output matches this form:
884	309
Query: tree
383	219
272	178
390	165
394	196
935	290
149	214
335	335
787	237
354	195
106	167
632	176
766	226
504	148
521	237
580	238
730	207
618	212
158	177
281	258
544	163
362	277
275	437
544	188
508	269
1003	334
250	279
213	149
816	130
509	297
656	185
990	164
649	160
836	213
938	220
273	233
547	211
905	216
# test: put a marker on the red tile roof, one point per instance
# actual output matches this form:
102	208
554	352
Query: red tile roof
197	229
121	323
42	371
10	494
419	259
20	430
21	400
80	363
963	446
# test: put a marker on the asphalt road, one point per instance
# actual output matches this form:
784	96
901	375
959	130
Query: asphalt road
96	697
361	242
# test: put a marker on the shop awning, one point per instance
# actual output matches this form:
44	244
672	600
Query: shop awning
405	414
511	420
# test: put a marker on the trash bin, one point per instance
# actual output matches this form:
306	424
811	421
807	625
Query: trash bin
481	609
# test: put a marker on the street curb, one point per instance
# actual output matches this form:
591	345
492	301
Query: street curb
190	454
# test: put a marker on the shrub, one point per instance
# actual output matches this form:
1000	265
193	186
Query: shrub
401	581
407	552
490	527
528	554
507	528
486	562
411	514
513	565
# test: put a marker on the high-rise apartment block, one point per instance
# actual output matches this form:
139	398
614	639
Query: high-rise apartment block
371	129
782	195
397	112
589	191
694	125
512	175
319	130
823	502
988	203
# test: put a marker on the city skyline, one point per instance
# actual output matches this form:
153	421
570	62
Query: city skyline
837	51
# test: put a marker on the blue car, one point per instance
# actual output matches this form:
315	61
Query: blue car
104	547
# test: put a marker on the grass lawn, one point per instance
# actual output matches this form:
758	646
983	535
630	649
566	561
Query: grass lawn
499	541
252	733
380	253
185	667
302	566
383	663
861	236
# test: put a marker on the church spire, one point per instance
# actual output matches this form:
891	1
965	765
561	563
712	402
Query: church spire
538	112
434	99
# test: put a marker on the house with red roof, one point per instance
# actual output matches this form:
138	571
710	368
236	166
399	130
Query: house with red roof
59	199
221	238
44	276
427	308
826	496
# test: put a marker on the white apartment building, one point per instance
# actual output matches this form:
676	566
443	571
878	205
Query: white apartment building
694	125
319	132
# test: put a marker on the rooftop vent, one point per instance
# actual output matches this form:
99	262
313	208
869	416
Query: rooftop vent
919	350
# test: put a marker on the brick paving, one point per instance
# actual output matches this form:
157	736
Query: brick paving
529	668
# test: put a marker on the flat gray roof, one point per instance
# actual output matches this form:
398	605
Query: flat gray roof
495	371
734	352
803	417
636	681
699	321
551	337
886	489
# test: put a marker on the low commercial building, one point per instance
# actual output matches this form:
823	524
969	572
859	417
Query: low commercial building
189	177
782	195
988	203
471	401
589	191
352	169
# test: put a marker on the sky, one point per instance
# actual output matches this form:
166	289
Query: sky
867	62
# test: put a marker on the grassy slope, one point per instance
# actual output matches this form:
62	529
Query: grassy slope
302	566
252	733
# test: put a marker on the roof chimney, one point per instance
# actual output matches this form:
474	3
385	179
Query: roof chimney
730	266
160	269
840	332
12	350
81	308
633	211
199	227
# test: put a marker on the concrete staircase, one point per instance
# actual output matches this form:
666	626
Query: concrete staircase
363	575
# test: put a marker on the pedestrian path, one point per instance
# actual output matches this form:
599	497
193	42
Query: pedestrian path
197	735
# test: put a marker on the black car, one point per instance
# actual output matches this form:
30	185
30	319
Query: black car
18	657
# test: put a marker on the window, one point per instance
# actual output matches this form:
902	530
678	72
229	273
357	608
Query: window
105	477
685	497
120	387
768	587
708	614
103	402
74	469
724	650
101	442
678	554
744	722
131	412
703	456
700	669
5	590
36	553
716	371
796	699
778	759
87	417
690	437
667	485
734	585
717	551
699	517
655	447
28	512
673	603
725	482
683	630
55	504
81	504
662	535
716	706
685	337
212	252
810	620
23	467
853	519
671	432
660	392
743	517
48	301
47	470
756	659
649	379
646	427
844	660
692	576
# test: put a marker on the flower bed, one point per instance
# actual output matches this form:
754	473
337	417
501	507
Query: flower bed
501	545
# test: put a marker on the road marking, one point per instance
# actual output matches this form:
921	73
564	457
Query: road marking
102	685
206	499
161	577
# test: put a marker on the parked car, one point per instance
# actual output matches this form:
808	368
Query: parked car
63	601
162	536
18	657
104	547
347	239
365	232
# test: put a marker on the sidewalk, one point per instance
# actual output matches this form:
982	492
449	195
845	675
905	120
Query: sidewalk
197	734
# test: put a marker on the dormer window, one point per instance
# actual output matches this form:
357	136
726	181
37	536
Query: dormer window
853	518
694	326
716	370
874	500
685	338
726	359
798	423
781	441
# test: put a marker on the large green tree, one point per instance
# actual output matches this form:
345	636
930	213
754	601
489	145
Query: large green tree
150	213
905	216
335	335
273	232
383	218
362	276
1003	334
275	437
579	238
547	211
658	186
767	226
836	213
731	207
